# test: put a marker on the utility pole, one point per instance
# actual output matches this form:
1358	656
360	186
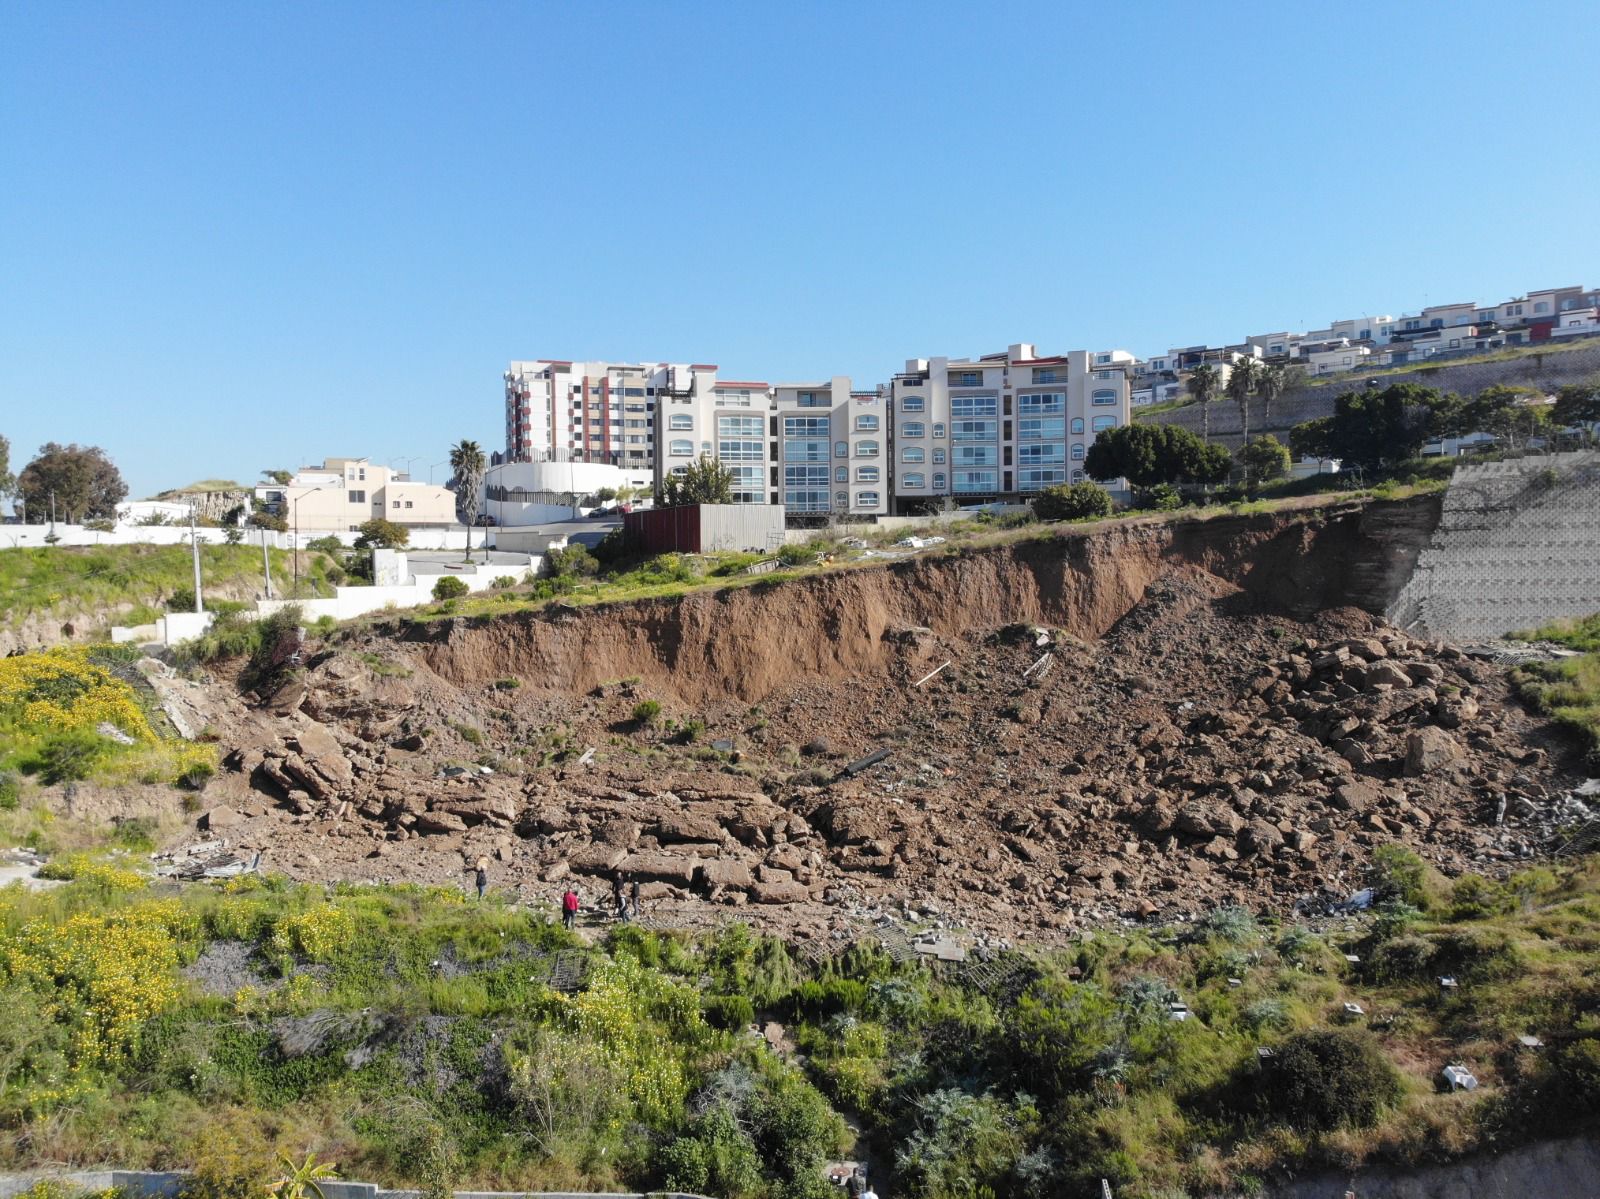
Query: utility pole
194	544
266	563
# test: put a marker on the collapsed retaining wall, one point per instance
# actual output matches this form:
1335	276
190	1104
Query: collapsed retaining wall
1517	546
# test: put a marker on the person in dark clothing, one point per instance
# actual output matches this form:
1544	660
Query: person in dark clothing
633	895
481	875
618	897
569	908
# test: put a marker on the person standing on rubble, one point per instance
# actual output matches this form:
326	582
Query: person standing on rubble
569	908
633	896
619	899
480	874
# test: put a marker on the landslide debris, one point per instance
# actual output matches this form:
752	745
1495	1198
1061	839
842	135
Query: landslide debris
1201	747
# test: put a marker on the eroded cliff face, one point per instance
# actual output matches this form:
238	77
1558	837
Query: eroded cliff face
745	642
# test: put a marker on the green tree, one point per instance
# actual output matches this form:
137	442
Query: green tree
468	465
1147	455
449	587
1243	381
606	494
1073	501
1272	380
1373	427
382	534
1576	404
1203	383
1264	459
84	482
706	481
280	477
8	481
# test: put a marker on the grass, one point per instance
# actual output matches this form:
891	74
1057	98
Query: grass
404	1031
1567	689
70	581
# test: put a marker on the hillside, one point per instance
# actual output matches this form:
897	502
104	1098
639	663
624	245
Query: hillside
75	593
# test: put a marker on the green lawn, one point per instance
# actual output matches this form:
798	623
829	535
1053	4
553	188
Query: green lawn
1567	689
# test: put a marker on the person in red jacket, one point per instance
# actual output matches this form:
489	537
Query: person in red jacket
569	908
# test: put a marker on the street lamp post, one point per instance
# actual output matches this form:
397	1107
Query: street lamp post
432	465
295	504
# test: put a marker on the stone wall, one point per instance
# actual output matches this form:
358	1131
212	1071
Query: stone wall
1548	371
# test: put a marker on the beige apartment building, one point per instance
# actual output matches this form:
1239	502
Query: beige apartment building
342	494
834	453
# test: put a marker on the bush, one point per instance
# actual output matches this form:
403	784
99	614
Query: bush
574	561
9	789
502	582
68	757
449	587
181	600
1072	501
646	711
195	776
1329	1079
1163	497
1398	873
381	534
1580	1073
812	1000
732	1012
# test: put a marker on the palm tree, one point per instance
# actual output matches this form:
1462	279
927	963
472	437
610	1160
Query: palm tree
467	461
1203	382
1241	386
302	1178
1271	382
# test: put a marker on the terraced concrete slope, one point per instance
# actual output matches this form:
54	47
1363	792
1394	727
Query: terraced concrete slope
1517	546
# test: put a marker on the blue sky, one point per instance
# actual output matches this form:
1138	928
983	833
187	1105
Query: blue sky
236	236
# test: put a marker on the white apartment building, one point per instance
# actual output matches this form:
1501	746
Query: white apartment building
1003	425
696	414
834	448
598	412
342	494
1332	359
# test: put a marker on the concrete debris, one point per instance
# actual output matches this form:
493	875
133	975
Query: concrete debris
1458	1078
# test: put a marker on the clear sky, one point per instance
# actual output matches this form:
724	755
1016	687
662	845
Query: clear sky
234	236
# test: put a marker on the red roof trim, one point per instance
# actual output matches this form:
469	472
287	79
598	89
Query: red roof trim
720	384
703	366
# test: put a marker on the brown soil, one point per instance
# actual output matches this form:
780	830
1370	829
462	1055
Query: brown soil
1146	720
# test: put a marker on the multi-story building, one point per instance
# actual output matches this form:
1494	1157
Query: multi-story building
696	414
834	448
1001	426
342	494
595	412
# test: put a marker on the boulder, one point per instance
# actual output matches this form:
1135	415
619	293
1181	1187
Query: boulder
1261	837
321	752
439	822
788	892
661	867
725	873
1354	797
685	827
1429	749
1379	674
619	830
597	859
219	818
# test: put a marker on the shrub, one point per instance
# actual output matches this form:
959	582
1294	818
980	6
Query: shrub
814	999
798	555
1580	1073
329	545
195	776
68	757
1399	873
689	731
1226	924
449	587
1329	1079
8	791
502	582
646	711
181	600
1163	497
1072	501
381	534
732	1012
509	683
575	560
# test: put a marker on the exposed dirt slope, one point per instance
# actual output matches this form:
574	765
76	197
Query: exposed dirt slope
1137	720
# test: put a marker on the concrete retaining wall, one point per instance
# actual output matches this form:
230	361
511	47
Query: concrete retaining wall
18	536
1548	371
1517	546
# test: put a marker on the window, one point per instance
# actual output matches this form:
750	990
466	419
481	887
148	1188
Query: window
739	439
408	503
1044	374
972	430
1046	453
866	449
938	482
913	479
1077	451
1275	348
973	405
1053	426
1077	424
396	503
841	500
805	439
680	448
680	422
911	403
966	378
913	453
748	485
866	423
1103	396
841	474
1038	478
974	481
805	488
1041	403
633	391
1541	306
806	426
866	499
1102	423
866	474
939	456
1102	357
841	449
913	428
813	399
975	455
680	470
358	497
1077	476
938	428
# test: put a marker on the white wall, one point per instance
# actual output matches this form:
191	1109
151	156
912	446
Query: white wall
16	536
